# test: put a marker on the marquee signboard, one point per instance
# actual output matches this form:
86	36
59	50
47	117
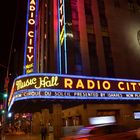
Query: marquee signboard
57	86
62	48
30	39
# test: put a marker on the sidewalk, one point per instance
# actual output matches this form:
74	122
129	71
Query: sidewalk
25	137
21	137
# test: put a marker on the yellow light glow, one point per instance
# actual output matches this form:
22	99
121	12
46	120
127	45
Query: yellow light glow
106	85
120	84
68	83
30	57
90	84
31	33
80	84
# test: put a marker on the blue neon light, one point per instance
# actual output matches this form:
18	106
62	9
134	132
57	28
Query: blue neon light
59	41
35	40
26	34
65	97
76	91
65	47
68	97
73	93
59	46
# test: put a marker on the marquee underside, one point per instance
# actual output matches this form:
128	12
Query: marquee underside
36	105
34	92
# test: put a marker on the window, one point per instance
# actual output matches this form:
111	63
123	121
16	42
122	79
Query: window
89	19
94	66
103	21
130	1
90	29
108	56
131	5
138	2
91	37
101	4
116	3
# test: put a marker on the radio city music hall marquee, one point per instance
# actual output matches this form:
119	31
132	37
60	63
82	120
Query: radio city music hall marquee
30	39
73	87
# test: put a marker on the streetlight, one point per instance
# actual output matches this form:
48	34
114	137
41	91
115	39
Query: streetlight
9	115
4	108
2	111
5	95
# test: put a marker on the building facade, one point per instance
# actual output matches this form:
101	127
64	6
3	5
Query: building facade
100	38
91	38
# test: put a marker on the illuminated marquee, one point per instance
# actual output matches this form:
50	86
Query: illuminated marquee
62	52
61	20
73	87
30	40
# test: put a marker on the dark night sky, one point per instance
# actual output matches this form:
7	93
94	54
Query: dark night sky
12	13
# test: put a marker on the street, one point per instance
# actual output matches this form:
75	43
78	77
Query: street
25	137
21	137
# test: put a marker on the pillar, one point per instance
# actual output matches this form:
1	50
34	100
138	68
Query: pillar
36	122
57	121
45	117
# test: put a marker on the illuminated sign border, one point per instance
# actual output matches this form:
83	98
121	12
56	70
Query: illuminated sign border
62	36
127	96
24	88
30	37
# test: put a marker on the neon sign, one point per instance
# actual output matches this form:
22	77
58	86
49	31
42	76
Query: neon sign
57	86
69	82
30	40
37	82
62	49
